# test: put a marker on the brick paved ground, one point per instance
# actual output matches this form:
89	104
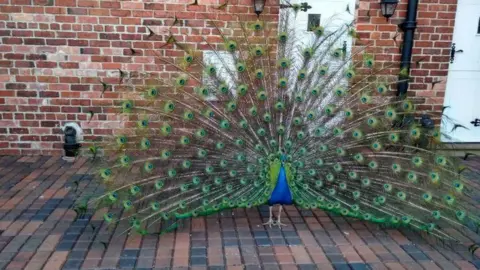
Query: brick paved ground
37	231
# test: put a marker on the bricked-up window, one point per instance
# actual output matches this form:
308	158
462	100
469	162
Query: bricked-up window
225	65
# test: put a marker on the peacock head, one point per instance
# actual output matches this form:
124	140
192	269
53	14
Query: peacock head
283	156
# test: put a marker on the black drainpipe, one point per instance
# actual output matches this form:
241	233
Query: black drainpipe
408	28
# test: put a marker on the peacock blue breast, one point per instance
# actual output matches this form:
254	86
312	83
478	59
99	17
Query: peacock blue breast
281	193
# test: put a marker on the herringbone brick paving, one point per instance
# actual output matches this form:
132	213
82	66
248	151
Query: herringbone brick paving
38	230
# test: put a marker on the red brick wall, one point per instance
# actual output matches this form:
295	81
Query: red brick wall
54	53
431	51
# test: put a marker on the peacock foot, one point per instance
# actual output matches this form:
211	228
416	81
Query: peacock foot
279	223
270	222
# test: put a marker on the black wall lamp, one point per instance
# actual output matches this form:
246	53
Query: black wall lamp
388	7
258	6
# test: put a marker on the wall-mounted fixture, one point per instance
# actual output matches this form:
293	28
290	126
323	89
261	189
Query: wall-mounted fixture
73	136
388	7
258	6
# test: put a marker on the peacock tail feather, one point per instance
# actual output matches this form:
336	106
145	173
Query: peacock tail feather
216	134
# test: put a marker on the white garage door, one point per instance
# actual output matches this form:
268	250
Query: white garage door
463	83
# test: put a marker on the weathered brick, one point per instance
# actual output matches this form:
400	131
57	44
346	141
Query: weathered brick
16	86
77	43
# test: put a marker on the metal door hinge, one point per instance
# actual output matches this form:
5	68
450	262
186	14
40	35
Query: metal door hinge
453	51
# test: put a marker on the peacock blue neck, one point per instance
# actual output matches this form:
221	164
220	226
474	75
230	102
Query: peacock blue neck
281	193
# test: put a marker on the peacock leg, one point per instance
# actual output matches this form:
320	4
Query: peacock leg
278	222
270	219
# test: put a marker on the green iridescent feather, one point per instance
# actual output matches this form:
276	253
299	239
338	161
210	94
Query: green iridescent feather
210	135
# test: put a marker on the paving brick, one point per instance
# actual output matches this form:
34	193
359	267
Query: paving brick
42	234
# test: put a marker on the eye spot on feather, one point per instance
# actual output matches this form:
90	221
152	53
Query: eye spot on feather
223	88
224	124
441	160
406	219
366	182
381	89
337	53
376	146
258	26
302	74
241	67
152	93
372	121
396	167
359	157
323	70
259	74
356	194
319	31
125	160
417	161
127	204
279	106
113	196
373	165
106	173
350	74
460	215
188	58
394	137
282	37
184	140
108	217
427	197
369	63
412	177
127	105
231	45
307	53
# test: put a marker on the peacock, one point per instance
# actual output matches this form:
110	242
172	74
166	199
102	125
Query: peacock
266	113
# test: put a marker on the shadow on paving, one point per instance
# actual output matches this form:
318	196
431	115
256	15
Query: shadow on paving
38	230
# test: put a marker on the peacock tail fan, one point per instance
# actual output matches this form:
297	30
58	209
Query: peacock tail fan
212	132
